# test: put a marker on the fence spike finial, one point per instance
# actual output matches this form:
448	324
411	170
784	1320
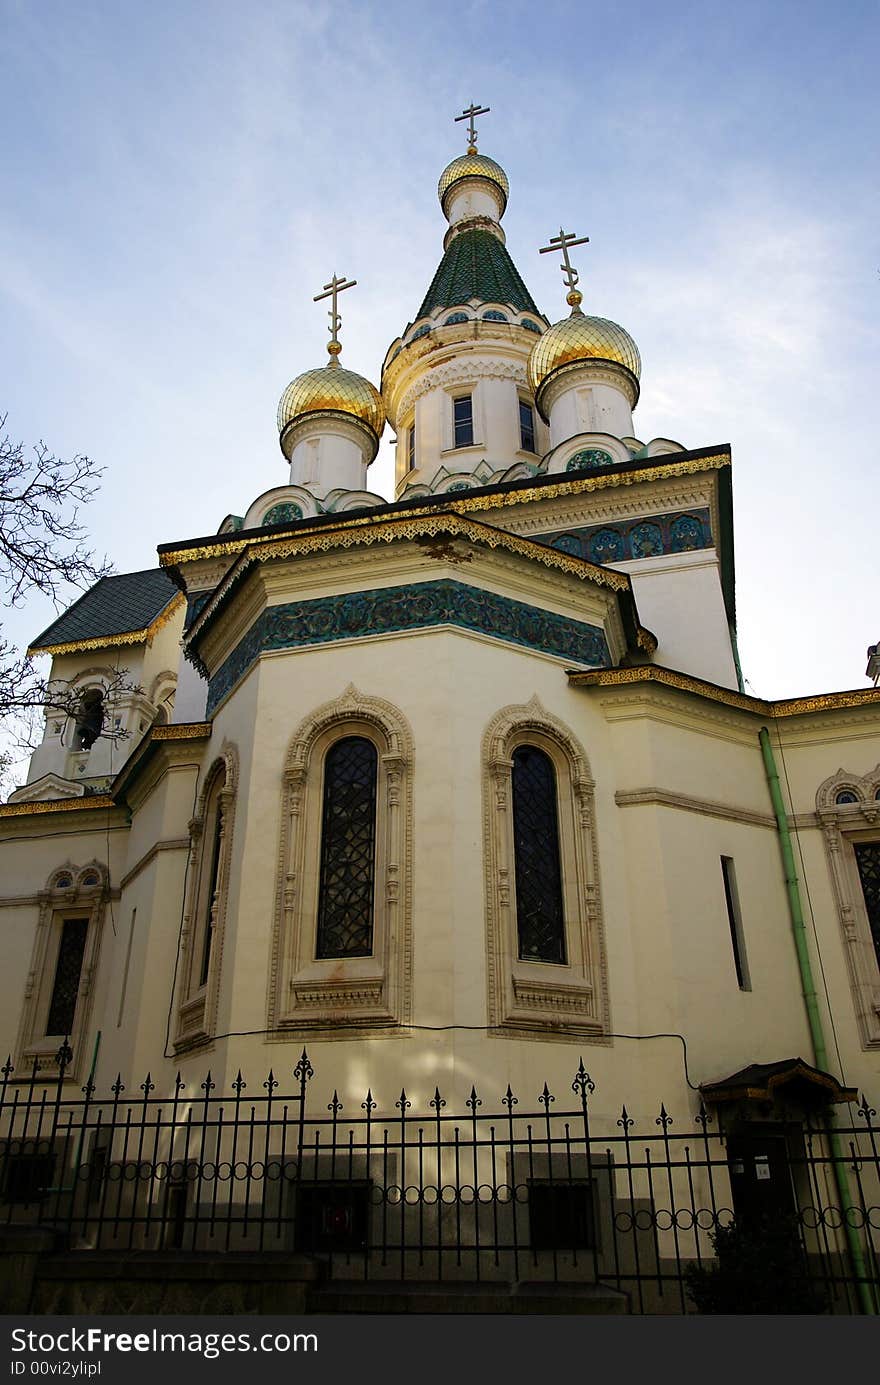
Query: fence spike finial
368	1104
148	1085
271	1082
303	1070
625	1121
473	1100
583	1082
437	1103
509	1100
403	1105
8	1066
545	1098
335	1105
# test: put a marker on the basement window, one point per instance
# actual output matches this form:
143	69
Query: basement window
734	919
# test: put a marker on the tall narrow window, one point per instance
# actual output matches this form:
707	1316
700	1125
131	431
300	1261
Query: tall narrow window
735	921
210	897
539	911
463	420
68	970
526	426
868	862
348	850
411	447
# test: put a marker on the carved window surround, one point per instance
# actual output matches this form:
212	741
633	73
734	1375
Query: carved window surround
844	826
71	892
564	999
197	999
341	993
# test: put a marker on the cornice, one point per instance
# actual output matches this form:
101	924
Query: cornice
89	803
670	678
418	527
667	798
506	495
144	636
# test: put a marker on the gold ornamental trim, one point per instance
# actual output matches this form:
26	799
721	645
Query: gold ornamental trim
787	707
183	731
82	803
462	505
143	636
413	527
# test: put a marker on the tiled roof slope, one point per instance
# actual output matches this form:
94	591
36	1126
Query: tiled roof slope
476	265
113	606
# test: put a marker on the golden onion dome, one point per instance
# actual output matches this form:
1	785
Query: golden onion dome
473	165
581	338
332	388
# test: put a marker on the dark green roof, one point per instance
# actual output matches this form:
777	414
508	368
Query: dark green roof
476	265
113	606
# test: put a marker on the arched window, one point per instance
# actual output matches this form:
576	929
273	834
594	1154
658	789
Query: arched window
348	850
202	938
539	913
545	945
89	719
63	971
342	944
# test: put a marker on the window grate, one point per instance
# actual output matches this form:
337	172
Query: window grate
348	850
536	854
68	969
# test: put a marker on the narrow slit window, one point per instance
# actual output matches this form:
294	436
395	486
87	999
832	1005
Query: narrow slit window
211	900
734	919
868	863
68	970
411	447
463	420
526	426
348	850
539	911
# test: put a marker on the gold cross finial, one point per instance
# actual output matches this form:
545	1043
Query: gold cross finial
332	291
469	115
560	245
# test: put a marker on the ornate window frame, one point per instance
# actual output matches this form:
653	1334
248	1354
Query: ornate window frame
844	826
71	892
343	993
558	999
197	1000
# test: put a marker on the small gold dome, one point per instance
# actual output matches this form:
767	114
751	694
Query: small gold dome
332	387
581	338
473	166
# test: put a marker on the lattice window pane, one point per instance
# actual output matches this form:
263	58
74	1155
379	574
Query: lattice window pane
67	973
539	913
348	850
868	861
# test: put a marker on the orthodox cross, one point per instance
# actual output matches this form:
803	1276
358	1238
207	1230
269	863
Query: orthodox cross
332	291
560	245
469	115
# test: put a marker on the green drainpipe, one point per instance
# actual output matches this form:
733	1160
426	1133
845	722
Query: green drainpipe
808	990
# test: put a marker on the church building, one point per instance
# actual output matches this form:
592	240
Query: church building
460	792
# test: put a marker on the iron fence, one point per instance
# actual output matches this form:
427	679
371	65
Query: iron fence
419	1193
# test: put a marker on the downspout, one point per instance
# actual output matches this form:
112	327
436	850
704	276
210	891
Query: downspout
811	1002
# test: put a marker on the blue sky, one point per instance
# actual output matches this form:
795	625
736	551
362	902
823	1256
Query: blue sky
180	179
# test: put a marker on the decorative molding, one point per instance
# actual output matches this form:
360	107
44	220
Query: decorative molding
652	536
463	371
371	531
845	826
89	802
558	1001
231	546
170	844
415	606
666	798
305	993
788	707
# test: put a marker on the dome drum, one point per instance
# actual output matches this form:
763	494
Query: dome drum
580	341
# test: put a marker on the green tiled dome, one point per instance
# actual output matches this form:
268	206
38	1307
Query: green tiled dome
476	265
